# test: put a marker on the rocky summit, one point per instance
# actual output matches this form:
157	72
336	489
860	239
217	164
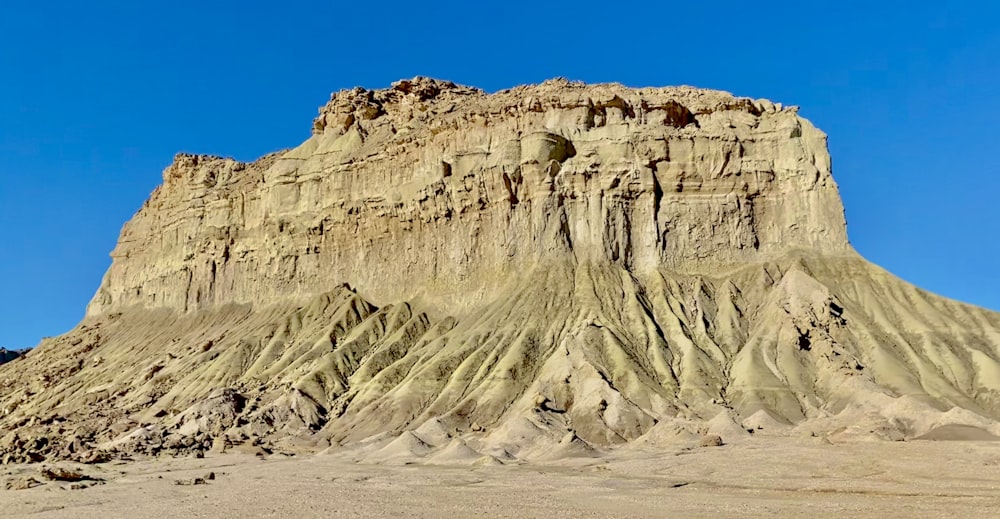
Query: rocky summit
438	273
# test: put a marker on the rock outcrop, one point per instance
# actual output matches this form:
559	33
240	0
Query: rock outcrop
544	271
449	193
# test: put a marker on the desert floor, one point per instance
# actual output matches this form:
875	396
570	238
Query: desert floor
761	477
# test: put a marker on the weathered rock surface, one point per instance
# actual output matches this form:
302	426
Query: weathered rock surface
545	271
450	193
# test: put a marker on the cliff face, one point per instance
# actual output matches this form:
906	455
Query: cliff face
444	192
531	274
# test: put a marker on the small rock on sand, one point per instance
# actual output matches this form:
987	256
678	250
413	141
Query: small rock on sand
711	440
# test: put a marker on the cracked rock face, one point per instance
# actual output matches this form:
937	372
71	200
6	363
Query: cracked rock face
443	274
445	193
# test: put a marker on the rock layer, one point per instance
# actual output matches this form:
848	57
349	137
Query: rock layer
542	272
444	193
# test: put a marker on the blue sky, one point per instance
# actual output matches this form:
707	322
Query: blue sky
97	97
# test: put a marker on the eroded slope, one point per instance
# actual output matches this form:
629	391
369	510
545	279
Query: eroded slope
543	272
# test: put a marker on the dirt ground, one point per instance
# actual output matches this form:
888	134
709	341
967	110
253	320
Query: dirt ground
776	477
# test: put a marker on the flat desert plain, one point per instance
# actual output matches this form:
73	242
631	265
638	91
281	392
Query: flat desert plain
759	477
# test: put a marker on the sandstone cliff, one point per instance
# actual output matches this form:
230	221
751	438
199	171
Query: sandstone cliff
450	193
533	273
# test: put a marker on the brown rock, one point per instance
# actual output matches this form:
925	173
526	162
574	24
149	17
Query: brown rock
711	440
22	483
56	473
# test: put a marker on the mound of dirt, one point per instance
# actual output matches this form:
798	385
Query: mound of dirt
955	432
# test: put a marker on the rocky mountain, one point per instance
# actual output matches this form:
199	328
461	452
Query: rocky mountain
8	355
539	272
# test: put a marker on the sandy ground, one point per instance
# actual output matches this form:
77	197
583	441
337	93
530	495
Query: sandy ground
755	478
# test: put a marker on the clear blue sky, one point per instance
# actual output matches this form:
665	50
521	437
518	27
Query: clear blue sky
97	97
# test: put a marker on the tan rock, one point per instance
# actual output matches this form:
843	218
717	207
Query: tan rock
550	270
22	483
711	440
452	193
